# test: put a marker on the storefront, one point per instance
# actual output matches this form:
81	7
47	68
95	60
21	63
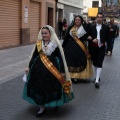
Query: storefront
21	20
34	20
10	23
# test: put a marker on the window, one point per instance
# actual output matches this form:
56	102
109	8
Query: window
95	3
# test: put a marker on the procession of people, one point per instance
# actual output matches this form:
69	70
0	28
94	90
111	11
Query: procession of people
53	67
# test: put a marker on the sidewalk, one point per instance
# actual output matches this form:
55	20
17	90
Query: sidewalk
13	62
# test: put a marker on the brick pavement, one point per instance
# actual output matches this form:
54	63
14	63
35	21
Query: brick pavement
89	103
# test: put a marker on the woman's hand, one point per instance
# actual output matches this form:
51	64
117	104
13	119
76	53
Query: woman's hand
89	38
27	69
111	29
95	40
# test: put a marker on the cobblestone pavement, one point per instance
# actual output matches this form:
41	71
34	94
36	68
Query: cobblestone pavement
89	103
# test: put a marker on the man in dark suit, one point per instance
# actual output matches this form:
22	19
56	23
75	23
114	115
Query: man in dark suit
99	33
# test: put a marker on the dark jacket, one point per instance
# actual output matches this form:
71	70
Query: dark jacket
112	33
103	33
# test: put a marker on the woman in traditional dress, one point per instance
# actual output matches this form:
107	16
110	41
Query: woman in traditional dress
76	52
48	81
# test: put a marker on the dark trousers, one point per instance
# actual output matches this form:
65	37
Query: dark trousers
111	44
63	33
97	55
60	34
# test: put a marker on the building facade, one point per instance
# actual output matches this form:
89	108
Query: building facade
111	9
91	8
21	20
67	9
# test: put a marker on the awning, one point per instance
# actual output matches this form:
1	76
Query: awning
92	12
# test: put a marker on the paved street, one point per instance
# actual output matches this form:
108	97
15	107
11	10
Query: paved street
89	103
13	62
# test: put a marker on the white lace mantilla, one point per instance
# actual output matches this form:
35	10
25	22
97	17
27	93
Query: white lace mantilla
48	49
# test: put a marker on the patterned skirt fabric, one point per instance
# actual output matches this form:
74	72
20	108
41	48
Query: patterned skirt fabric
42	87
78	64
75	57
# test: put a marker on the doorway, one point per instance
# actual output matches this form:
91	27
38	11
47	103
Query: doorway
50	16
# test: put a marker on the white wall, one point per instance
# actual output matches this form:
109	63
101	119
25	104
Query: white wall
88	4
74	3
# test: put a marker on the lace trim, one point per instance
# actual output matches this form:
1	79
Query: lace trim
80	32
49	48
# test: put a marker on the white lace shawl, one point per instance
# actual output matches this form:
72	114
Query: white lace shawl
80	32
50	48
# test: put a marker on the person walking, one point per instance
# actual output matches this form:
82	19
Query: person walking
99	34
48	81
117	31
65	25
60	28
112	34
76	52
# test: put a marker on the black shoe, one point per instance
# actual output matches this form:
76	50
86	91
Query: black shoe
97	85
74	81
40	114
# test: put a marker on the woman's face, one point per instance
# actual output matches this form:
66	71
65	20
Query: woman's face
45	34
77	21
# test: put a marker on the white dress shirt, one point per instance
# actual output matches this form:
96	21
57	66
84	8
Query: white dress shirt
98	27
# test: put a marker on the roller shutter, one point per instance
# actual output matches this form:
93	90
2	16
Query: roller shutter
34	21
9	23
